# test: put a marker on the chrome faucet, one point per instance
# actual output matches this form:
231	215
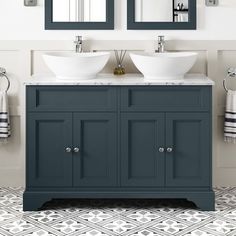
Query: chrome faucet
161	44
78	44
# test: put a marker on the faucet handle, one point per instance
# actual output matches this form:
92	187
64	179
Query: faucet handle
78	38
161	38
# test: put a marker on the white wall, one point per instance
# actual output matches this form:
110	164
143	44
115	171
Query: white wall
19	22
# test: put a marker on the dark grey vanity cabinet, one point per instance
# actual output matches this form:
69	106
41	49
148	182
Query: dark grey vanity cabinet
118	142
165	149
69	149
188	165
142	135
95	164
48	164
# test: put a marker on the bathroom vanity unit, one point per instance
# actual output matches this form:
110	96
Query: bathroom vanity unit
119	138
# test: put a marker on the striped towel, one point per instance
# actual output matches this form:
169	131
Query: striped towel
5	131
230	117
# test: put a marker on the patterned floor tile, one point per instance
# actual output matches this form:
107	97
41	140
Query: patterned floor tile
146	232
233	233
170	226
231	215
199	233
117	217
221	226
40	233
5	215
219	207
10	199
95	216
94	233
143	216
119	226
227	198
68	226
192	216
45	216
17	226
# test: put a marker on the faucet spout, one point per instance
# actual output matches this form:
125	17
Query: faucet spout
78	44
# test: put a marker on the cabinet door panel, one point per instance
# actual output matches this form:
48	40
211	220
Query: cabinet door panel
95	135
48	134
141	162
189	163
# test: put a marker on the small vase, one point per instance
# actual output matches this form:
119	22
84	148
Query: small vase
119	70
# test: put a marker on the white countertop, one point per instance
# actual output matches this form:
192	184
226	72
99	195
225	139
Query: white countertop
128	79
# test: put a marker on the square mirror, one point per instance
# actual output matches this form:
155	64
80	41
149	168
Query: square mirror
161	14
79	14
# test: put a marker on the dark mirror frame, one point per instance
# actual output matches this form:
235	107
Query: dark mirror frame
190	25
50	25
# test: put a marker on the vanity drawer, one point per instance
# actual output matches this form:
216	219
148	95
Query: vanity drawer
166	98
71	98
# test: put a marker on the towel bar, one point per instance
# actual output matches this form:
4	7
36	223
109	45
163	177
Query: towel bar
231	73
3	74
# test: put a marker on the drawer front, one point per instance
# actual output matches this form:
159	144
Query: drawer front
166	98
71	98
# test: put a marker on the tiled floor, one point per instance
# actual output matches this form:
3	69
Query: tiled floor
117	217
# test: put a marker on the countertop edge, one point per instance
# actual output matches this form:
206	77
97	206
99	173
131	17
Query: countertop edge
127	80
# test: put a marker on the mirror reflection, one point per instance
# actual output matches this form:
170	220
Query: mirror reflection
79	11
161	11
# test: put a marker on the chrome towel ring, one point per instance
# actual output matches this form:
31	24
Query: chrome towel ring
230	74
3	75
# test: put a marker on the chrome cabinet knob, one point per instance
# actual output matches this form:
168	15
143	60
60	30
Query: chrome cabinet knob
76	149
169	149
161	149
68	149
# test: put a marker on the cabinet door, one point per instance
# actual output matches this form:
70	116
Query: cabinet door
189	163
96	137
48	135
142	135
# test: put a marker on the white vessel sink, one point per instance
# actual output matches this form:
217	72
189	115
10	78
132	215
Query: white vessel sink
168	65
69	65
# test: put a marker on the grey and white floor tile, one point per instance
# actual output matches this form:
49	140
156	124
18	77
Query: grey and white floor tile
117	217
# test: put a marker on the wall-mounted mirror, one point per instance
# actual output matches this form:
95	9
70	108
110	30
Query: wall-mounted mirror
79	14
161	14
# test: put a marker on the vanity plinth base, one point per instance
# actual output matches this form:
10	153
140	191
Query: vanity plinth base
34	200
